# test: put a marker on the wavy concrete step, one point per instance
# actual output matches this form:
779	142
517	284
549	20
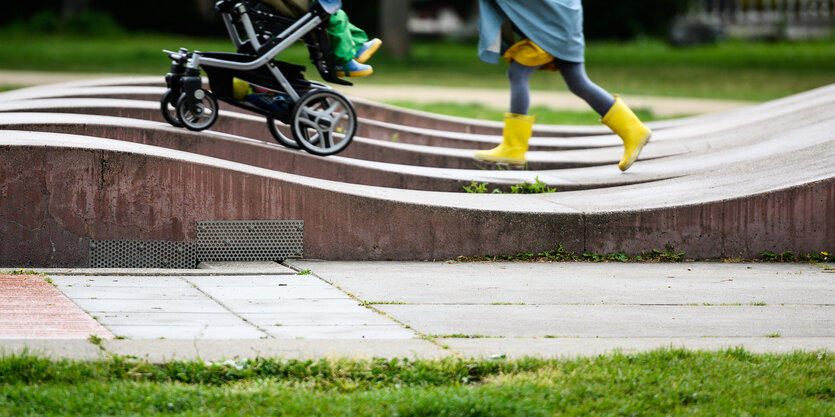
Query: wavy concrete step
361	148
72	188
720	135
715	151
151	88
691	137
371	128
276	157
732	188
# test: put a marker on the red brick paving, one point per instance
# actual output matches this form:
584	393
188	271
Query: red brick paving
31	308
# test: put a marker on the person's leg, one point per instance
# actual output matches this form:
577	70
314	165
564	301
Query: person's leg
519	76
364	47
343	47
346	40
518	126
613	112
357	35
578	82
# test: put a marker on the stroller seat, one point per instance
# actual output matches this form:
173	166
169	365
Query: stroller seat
269	22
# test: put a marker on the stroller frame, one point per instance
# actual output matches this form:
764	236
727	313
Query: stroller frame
321	120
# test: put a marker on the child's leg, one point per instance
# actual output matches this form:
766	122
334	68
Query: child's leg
520	91
357	35
574	74
613	112
345	37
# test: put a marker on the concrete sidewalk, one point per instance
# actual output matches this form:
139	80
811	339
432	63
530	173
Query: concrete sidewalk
436	309
492	98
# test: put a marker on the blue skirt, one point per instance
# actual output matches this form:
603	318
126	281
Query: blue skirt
556	26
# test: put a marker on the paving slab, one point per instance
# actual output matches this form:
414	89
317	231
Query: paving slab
617	320
578	283
263	303
341	331
249	267
179	331
78	349
330	306
218	350
190	319
576	347
233	306
553	309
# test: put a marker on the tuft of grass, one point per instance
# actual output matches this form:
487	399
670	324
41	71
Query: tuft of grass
662	382
23	271
561	254
304	272
538	187
791	256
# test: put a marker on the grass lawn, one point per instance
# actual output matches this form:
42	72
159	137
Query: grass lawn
730	70
544	115
663	382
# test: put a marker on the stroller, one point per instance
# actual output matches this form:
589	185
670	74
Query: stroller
320	120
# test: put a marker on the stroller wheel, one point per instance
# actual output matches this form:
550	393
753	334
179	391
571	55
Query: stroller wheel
323	122
168	106
197	113
279	136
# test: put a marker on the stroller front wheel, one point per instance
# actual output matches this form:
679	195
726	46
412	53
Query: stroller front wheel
199	112
168	106
323	122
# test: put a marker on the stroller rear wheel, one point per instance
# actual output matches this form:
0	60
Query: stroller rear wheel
199	112
323	122
168	106
279	136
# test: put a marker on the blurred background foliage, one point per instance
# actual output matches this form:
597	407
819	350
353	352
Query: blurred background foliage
605	19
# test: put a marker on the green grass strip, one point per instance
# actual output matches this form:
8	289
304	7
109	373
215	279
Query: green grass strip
663	382
544	115
728	70
669	254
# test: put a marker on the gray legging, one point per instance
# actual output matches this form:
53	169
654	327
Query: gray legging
574	74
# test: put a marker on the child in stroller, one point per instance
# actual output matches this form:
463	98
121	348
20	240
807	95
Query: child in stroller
321	121
350	45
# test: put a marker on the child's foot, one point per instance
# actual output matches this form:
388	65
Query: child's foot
367	50
353	69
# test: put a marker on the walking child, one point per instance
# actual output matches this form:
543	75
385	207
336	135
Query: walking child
552	40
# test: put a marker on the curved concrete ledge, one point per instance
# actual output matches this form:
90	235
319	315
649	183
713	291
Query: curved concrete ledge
740	183
151	88
276	157
362	148
744	126
66	189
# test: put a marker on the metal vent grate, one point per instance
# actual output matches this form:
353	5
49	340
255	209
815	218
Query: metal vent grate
142	254
253	240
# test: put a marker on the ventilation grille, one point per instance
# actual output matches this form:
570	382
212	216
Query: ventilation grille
250	240
142	254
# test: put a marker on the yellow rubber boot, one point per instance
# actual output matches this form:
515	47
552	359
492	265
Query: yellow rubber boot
626	125
518	128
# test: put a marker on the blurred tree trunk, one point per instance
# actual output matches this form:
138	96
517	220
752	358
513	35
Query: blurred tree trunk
73	7
394	19
206	9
